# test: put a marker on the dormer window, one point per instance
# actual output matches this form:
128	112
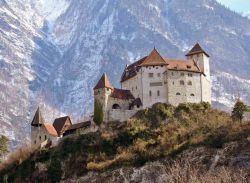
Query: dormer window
188	66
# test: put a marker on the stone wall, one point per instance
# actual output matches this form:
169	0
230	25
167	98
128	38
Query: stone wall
120	115
183	87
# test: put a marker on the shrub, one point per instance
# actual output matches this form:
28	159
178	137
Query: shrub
238	111
3	145
55	170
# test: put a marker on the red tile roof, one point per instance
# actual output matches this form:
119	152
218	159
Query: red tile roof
121	94
50	129
103	82
153	59
196	49
182	65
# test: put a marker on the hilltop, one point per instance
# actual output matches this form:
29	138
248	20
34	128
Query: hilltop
162	143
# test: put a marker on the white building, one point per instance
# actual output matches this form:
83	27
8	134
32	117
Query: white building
155	79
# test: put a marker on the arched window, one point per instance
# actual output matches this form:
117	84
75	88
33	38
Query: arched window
192	95
116	106
190	83
181	82
178	93
158	93
150	93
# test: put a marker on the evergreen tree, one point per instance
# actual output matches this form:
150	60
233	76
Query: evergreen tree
98	113
3	145
238	111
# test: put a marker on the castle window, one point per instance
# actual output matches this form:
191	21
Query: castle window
150	75
172	73
190	75
178	93
182	74
173	82
188	66
161	65
158	93
182	82
150	93
190	83
156	67
35	142
159	74
40	138
45	137
192	95
116	106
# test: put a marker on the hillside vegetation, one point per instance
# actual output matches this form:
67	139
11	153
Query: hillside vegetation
160	132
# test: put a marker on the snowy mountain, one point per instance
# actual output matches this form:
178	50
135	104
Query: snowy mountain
52	52
247	14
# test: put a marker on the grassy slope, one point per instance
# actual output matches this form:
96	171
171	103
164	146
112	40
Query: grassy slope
162	131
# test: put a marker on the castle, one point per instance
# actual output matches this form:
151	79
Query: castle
154	79
150	80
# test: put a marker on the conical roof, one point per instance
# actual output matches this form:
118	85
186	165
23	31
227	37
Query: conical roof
103	82
153	59
38	118
196	49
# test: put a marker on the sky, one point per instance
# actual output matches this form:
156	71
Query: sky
240	6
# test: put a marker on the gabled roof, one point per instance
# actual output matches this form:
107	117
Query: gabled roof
38	118
79	125
121	94
60	122
153	59
103	82
196	49
50	129
136	102
182	65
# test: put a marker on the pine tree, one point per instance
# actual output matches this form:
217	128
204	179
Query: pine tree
3	145
98	113
238	111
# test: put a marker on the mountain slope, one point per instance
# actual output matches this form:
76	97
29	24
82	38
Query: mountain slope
54	51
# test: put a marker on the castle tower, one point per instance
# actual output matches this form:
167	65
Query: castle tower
198	54
36	124
102	91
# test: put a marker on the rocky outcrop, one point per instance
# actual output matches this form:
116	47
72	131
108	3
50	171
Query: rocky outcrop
227	163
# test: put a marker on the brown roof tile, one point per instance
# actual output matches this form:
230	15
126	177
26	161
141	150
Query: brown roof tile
79	125
59	124
103	82
196	49
136	102
153	59
38	118
121	94
50	129
182	65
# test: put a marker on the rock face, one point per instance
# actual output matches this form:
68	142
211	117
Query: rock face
53	52
233	156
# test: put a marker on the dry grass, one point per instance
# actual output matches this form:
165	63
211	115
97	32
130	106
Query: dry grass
18	156
185	172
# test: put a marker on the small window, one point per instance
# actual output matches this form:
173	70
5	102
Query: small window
182	82
156	67
190	83
136	87
188	66
150	75
182	74
40	138
161	65
172	73
178	93
45	137
158	93
192	95
190	75
150	93
173	82
132	89
35	142
159	74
